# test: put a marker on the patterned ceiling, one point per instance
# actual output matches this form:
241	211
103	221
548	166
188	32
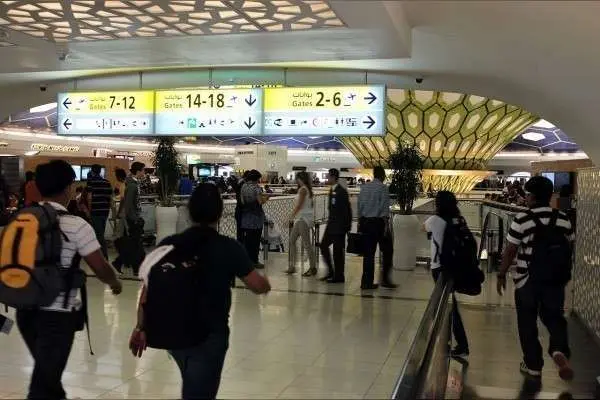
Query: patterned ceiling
65	20
454	131
544	140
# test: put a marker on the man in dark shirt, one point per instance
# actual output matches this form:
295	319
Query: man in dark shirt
100	193
201	365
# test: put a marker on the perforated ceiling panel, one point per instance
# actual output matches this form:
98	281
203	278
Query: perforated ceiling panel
63	21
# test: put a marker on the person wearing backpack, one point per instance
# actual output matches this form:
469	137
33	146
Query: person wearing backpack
453	254
541	240
41	277
186	295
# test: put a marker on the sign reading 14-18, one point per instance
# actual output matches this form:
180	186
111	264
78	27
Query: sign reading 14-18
106	113
214	112
343	111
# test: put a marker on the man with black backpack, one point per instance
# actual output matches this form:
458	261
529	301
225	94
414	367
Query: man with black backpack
186	297
541	240
42	279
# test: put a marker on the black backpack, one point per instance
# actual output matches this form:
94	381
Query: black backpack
459	257
552	253
175	313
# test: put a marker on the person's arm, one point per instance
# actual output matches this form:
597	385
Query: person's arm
103	270
257	283
301	200
514	239
361	203
129	202
137	341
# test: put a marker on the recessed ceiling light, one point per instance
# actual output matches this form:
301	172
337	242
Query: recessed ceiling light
542	123
533	136
32	153
43	108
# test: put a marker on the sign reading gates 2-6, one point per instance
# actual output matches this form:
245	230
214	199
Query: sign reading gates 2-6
341	111
106	113
215	112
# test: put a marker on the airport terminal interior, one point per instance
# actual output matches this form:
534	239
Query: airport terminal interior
486	94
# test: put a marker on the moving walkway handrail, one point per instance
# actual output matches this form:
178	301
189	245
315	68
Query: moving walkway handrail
412	380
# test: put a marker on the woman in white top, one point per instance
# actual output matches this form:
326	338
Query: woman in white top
303	219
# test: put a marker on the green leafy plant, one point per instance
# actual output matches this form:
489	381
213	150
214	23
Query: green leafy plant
407	166
166	162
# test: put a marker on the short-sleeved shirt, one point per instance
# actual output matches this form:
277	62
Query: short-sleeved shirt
436	226
521	234
101	192
82	241
374	200
223	259
252	217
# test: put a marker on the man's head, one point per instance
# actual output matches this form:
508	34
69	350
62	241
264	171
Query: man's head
333	176
96	169
206	205
254	176
379	173
539	191
55	181
137	169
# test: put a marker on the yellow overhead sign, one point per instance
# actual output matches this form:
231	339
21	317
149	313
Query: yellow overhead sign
204	99
358	98
127	102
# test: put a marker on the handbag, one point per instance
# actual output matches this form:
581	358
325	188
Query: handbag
355	243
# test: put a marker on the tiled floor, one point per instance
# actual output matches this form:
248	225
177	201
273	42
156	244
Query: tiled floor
306	339
309	342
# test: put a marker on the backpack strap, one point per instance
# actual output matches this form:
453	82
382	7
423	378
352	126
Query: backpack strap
553	219
536	220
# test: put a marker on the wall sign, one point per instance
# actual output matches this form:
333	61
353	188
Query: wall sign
313	111
106	113
58	148
212	112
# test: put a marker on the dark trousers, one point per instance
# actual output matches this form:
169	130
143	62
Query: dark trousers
335	269
251	239
458	328
135	232
548	302
49	336
99	225
373	230
201	367
238	224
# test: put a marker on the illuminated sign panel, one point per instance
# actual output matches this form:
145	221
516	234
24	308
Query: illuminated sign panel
209	112
314	111
106	113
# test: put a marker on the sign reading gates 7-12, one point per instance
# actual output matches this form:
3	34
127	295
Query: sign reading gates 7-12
129	113
314	111
214	112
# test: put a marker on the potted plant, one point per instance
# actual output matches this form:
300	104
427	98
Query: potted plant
407	165
166	163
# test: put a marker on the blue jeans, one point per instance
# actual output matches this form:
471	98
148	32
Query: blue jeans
201	366
99	225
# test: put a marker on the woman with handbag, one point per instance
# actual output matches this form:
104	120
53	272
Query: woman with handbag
303	219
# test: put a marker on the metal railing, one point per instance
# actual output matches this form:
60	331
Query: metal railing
425	371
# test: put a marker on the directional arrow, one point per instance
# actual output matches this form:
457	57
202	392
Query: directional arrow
67	124
249	124
371	98
67	103
369	121
250	100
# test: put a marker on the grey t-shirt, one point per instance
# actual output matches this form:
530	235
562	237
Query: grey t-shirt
253	216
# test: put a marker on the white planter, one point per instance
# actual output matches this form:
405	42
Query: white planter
166	222
406	233
183	219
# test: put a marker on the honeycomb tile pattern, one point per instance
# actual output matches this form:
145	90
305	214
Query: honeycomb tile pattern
454	181
64	21
453	130
586	271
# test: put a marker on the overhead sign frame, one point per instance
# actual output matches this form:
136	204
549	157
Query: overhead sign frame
209	112
357	110
106	113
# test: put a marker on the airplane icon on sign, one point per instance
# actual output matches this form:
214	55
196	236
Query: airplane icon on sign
352	96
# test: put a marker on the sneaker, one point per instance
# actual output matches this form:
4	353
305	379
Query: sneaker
564	368
459	353
530	372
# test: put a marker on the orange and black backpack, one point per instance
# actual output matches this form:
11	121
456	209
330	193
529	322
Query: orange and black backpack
30	251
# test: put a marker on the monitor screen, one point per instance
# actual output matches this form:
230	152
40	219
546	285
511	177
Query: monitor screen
561	179
85	171
204	172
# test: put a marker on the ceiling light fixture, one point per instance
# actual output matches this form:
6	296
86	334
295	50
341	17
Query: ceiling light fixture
542	123
32	153
533	136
